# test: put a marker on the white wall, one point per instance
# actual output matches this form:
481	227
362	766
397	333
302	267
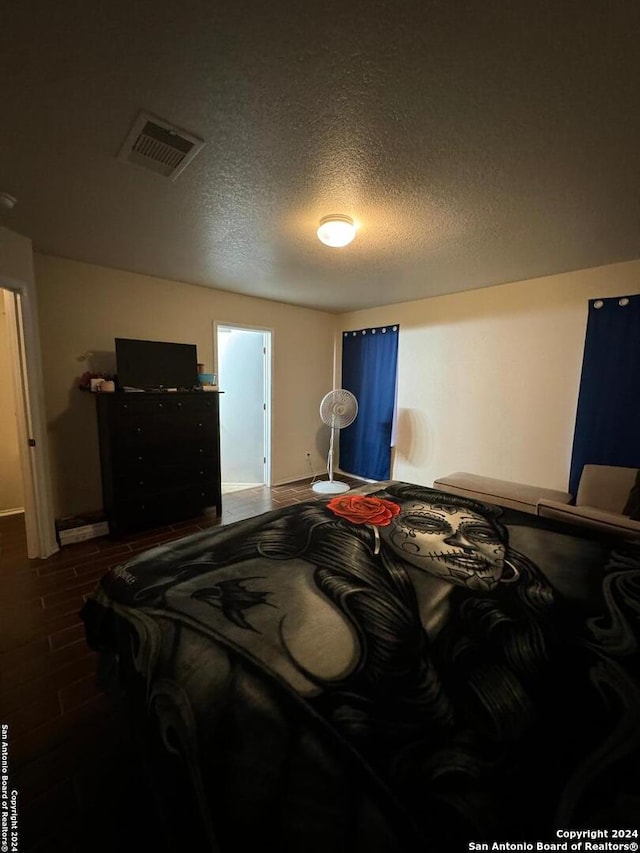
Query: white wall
83	307
488	379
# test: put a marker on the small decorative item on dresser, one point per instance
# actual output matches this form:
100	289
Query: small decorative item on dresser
95	382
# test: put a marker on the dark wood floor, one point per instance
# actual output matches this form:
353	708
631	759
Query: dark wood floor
79	781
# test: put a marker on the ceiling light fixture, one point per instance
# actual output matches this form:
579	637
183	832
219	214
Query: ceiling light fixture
7	201
336	230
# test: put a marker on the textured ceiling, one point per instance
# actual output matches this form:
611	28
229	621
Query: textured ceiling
474	142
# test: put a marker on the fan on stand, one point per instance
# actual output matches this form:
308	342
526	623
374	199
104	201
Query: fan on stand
338	410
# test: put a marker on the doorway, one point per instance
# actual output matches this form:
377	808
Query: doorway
22	345
11	483
243	357
18	293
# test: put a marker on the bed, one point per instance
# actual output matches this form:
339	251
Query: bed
392	669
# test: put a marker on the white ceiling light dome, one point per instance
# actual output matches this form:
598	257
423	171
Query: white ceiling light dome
336	230
7	201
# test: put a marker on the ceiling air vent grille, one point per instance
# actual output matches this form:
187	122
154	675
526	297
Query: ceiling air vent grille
156	145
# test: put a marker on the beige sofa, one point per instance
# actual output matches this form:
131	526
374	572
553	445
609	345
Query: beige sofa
602	494
501	492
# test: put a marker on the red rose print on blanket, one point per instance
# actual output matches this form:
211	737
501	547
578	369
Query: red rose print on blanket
361	509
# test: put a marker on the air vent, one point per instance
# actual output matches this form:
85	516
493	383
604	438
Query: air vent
159	146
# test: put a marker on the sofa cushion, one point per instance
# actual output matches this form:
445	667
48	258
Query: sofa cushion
632	506
590	516
605	486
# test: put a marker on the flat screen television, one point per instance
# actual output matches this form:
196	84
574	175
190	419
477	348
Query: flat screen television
150	365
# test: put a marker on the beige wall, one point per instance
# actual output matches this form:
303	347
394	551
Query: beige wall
84	307
16	263
11	492
488	379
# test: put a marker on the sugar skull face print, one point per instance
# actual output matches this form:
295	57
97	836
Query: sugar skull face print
450	542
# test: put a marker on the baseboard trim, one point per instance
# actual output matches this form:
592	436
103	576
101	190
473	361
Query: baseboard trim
18	510
299	479
323	475
354	476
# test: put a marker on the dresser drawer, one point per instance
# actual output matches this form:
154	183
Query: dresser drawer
135	513
123	407
165	431
150	451
138	480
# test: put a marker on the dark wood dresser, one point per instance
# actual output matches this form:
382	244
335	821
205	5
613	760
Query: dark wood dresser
159	457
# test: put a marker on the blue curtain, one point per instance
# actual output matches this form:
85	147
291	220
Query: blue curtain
369	359
607	428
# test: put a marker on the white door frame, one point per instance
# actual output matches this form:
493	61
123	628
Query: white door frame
268	385
24	344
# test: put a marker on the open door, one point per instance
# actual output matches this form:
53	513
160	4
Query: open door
16	279
243	366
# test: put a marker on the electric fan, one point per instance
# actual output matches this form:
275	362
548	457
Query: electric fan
338	409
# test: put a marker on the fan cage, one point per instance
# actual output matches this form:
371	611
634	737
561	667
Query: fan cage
338	408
